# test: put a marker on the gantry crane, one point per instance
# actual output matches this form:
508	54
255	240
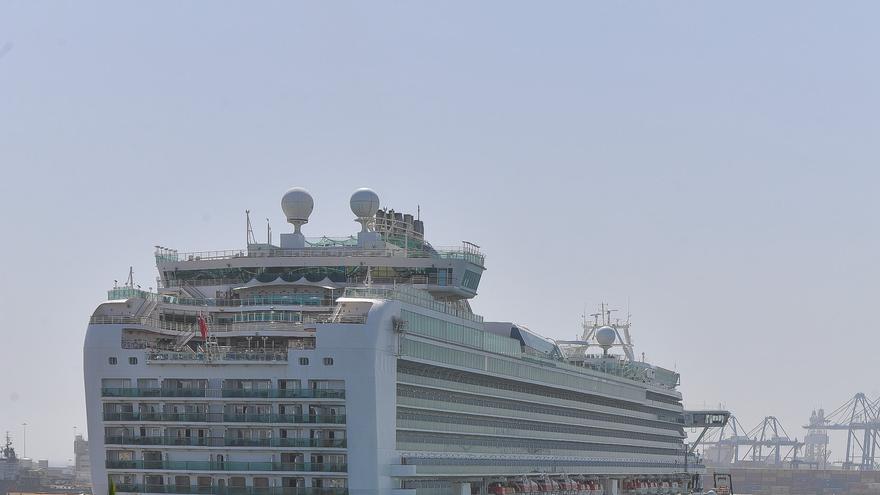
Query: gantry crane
859	418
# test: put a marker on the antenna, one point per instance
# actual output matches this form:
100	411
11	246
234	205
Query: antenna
628	312
268	233
130	281
250	229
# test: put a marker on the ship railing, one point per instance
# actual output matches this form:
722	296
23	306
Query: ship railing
308	467
262	356
465	252
619	368
277	300
270	393
337	419
417	280
331	443
412	296
302	323
331	419
227	490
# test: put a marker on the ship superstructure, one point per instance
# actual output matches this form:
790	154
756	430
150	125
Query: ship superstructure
356	366
9	466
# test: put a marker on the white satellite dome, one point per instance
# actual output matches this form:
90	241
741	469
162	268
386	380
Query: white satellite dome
364	202
297	204
606	336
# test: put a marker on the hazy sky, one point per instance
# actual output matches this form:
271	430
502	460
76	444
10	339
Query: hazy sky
713	164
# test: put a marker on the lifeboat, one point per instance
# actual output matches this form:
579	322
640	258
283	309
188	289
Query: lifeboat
546	485
526	486
533	486
567	486
500	488
543	485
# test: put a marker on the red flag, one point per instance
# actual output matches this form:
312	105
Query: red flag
203	327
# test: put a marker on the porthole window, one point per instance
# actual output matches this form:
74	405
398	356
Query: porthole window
132	360
111	360
304	361
328	361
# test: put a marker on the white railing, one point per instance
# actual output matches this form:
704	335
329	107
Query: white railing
461	252
244	326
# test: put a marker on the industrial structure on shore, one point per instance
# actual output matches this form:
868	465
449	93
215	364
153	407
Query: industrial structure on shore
24	475
769	444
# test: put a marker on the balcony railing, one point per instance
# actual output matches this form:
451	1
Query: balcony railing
330	443
285	418
153	392
307	467
226	417
227	490
271	393
288	393
192	417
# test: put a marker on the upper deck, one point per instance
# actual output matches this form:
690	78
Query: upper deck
390	249
285	291
466	252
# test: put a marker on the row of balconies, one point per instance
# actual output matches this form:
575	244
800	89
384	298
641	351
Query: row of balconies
309	467
227	490
269	393
226	441
205	417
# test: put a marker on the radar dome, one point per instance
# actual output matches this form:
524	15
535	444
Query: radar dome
606	336
297	204
364	202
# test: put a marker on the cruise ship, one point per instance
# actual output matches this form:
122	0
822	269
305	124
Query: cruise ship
355	366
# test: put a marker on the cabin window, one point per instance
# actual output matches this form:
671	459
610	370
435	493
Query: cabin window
132	360
328	361
112	360
304	361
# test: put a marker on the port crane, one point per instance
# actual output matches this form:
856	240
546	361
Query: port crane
859	418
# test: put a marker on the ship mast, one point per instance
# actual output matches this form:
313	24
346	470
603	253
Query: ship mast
8	452
602	319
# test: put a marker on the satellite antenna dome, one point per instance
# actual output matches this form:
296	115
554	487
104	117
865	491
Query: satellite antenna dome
297	204
606	336
364	202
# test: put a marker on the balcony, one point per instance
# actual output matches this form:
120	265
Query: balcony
270	393
281	393
300	467
217	490
153	392
192	417
225	417
336	443
284	418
